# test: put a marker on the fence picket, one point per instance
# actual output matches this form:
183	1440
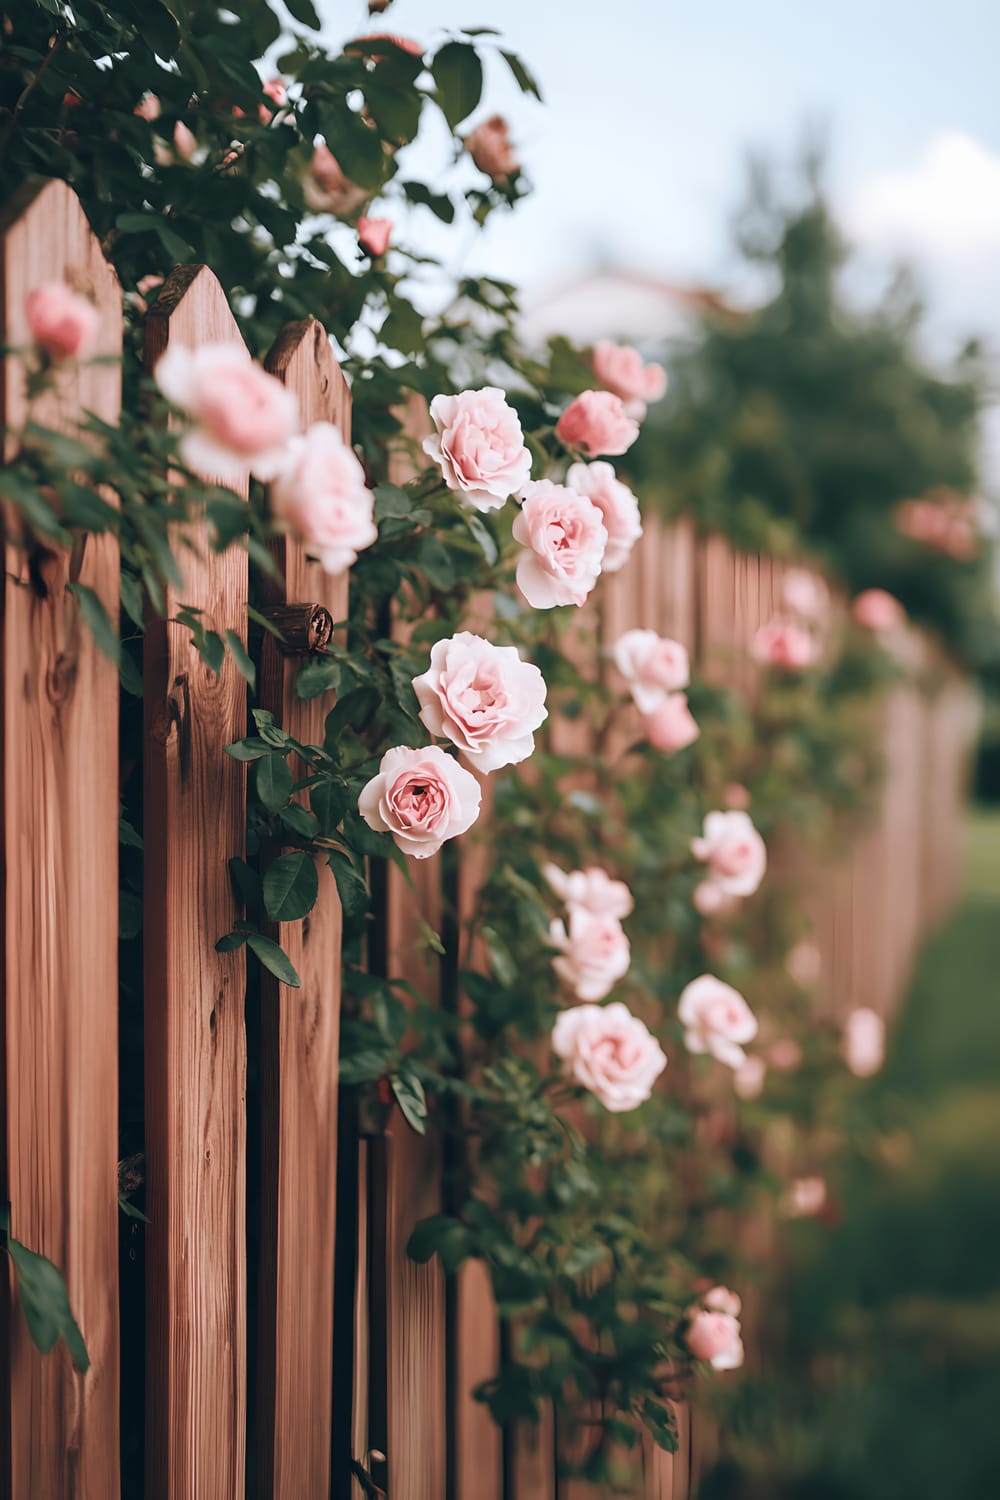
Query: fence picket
195	1040
60	938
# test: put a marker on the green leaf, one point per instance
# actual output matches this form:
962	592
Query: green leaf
303	12
105	634
251	748
24	494
213	650
328	801
390	500
274	782
291	886
152	223
440	1235
274	959
458	74
45	1301
299	820
316	677
438	203
351	888
410	1097
584	1258
130	676
526	83
129	1209
155	24
127	834
231	942
240	657
246	884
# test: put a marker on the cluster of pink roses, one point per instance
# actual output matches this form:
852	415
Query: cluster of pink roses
713	1329
791	642
594	952
657	670
942	519
736	857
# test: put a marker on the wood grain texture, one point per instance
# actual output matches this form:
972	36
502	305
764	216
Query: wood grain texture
60	919
299	1044
533	1474
195	1039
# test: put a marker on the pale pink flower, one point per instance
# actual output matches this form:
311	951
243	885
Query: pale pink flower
805	594
710	900
479	447
715	1338
148	108
241	417
421	797
619	368
319	492
591	889
62	322
736	796
326	189
596	423
733	850
185	141
785	1054
785	645
805	1198
804	963
594	952
374	235
748	1078
877	610
610	1052
652	665
490	148
483	698
565	538
944	520
864	1042
717	1019
721	1299
404	43
277	92
671	726
617	504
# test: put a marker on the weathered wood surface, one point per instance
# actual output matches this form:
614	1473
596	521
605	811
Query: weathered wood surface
60	916
195	1039
299	1043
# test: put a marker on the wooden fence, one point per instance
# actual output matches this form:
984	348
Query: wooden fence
342	1349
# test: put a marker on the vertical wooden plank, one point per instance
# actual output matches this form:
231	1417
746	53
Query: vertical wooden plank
195	1038
533	1476
60	933
299	1044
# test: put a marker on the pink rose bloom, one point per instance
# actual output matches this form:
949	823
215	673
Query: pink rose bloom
736	796
185	141
804	963
877	610
805	594
565	537
864	1042
610	1052
320	493
62	322
617	505
478	446
652	665
748	1078
619	368
923	521
710	900
785	1054
785	645
715	1338
596	423
373	236
148	108
276	91
326	189
721	1299
483	698
717	1020
241	417
421	797
805	1198
734	851
490	148
594	952
376	7
671	726
404	43
592	890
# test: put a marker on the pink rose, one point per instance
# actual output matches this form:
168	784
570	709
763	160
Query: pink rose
610	1052
373	236
596	423
242	417
421	797
710	900
478	446
565	537
620	369
62	322
404	43
717	1019
785	1054
804	963
877	610
617	505
319	491
736	796
148	108
785	645
490	148
805	594
805	1198
864	1042
715	1338
653	666
483	698
748	1078
671	726
276	91
721	1299
594	952
327	190
592	890
376	7
734	852
185	141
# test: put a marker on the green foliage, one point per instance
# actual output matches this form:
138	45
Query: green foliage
45	1302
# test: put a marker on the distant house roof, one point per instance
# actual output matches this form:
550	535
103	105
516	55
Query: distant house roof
615	303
